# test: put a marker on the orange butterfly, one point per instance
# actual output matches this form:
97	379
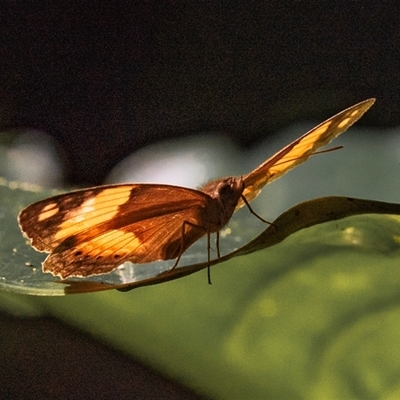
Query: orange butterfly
93	231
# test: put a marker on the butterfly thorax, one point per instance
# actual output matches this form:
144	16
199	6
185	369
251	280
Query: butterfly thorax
225	194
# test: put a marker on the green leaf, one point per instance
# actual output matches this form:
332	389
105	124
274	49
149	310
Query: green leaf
21	265
308	310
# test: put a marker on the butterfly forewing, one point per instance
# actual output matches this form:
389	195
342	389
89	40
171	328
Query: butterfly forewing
299	150
60	216
90	232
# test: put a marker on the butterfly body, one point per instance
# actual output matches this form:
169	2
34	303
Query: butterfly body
93	231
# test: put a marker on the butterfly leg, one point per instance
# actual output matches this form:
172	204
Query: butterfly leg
209	255
216	244
182	245
254	213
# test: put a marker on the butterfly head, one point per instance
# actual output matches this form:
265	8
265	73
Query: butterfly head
227	191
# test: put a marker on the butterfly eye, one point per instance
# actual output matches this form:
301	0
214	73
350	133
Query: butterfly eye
225	188
230	189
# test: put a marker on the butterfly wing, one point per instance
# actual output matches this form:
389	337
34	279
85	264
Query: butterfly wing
301	149
92	231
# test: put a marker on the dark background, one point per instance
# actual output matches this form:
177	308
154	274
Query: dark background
107	78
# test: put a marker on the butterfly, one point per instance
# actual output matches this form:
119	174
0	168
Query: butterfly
93	231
